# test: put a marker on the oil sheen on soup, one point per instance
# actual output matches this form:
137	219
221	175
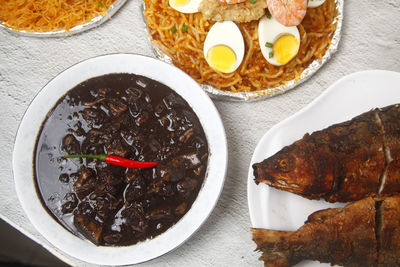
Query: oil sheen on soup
132	117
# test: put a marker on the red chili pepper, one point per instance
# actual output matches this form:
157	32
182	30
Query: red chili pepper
118	161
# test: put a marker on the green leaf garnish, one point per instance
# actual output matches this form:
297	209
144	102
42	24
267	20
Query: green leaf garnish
268	44
268	14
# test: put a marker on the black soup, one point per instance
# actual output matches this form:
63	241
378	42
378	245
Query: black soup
132	117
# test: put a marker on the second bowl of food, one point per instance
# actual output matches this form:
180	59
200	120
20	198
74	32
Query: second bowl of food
93	136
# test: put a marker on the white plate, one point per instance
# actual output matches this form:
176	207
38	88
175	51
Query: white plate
185	227
345	99
79	28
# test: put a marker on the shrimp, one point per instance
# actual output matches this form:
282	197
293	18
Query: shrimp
232	1
288	12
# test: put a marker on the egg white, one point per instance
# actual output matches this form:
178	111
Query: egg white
315	3
225	33
269	30
192	6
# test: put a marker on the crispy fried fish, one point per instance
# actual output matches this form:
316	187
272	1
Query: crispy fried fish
344	162
364	233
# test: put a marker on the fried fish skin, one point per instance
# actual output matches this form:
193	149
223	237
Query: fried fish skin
344	237
341	163
364	233
389	232
390	121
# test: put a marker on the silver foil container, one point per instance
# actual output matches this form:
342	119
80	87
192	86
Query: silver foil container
269	92
79	28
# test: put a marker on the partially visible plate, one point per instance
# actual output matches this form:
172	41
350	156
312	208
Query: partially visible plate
79	28
348	97
177	234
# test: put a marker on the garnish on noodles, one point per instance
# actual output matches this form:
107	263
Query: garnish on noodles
186	49
50	15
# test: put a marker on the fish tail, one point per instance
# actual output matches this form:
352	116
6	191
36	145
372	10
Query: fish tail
274	247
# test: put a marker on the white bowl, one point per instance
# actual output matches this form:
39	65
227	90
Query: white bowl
46	99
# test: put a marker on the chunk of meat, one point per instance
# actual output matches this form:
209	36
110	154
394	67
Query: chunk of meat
242	12
69	203
135	190
89	228
135	217
112	238
117	147
70	144
181	208
116	106
85	183
189	160
161	213
94	117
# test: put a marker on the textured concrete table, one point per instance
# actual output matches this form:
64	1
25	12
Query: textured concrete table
370	40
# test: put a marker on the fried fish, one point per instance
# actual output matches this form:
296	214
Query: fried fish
344	162
364	233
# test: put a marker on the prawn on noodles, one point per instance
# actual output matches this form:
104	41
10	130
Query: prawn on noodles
288	12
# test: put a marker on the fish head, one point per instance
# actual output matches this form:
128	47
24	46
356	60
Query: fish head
281	163
299	169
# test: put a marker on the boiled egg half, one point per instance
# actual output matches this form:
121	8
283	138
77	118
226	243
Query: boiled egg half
185	6
315	3
279	44
224	47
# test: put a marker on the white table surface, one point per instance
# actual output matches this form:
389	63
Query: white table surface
370	40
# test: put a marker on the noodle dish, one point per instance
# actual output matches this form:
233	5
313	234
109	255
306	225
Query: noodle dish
242	46
51	18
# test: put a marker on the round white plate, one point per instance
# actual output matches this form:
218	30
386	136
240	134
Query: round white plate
79	28
44	102
348	97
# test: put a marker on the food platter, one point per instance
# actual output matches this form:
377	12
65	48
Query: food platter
264	93
77	29
350	96
143	251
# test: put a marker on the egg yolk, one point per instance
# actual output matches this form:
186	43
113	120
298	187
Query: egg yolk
222	58
179	2
285	48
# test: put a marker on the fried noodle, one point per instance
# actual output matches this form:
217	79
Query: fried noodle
255	73
50	15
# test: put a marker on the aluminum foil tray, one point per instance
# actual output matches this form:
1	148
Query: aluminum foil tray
79	28
269	92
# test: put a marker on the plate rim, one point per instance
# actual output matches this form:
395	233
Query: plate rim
201	209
